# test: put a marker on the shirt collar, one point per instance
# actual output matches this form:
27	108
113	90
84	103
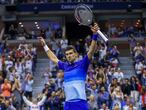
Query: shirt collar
77	59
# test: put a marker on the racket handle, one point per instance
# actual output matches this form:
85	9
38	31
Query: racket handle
102	35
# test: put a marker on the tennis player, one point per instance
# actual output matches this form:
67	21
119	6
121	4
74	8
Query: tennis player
75	72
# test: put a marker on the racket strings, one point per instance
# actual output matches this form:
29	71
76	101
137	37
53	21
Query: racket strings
83	15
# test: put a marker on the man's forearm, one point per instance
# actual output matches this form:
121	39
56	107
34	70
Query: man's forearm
50	54
92	46
29	103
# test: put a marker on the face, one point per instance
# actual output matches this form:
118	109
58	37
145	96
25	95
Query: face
115	47
103	105
5	81
102	89
126	81
7	103
94	87
116	107
71	55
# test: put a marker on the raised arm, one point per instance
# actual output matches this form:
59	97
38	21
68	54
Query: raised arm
29	103
93	45
50	54
42	100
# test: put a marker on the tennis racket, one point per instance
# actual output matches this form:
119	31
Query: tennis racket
84	16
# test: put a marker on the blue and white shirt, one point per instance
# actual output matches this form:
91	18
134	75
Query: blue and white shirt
74	78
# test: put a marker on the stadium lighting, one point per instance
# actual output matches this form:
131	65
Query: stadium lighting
20	23
38	27
138	20
36	22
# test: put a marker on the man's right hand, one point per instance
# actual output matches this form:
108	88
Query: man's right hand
41	39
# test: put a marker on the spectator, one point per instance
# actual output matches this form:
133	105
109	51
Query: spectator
139	85
117	97
47	74
116	106
118	74
59	79
12	32
11	74
8	63
94	91
104	107
63	43
35	104
143	98
17	99
137	49
132	42
19	67
114	62
138	67
8	105
102	52
129	107
6	89
103	97
92	103
110	72
125	87
28	63
115	52
28	86
134	89
113	29
143	78
48	33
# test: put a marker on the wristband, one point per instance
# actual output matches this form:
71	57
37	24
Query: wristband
94	37
46	48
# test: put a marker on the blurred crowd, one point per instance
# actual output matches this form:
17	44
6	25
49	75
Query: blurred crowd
106	86
17	67
138	52
20	33
123	31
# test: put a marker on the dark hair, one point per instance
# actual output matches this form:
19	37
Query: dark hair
70	47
